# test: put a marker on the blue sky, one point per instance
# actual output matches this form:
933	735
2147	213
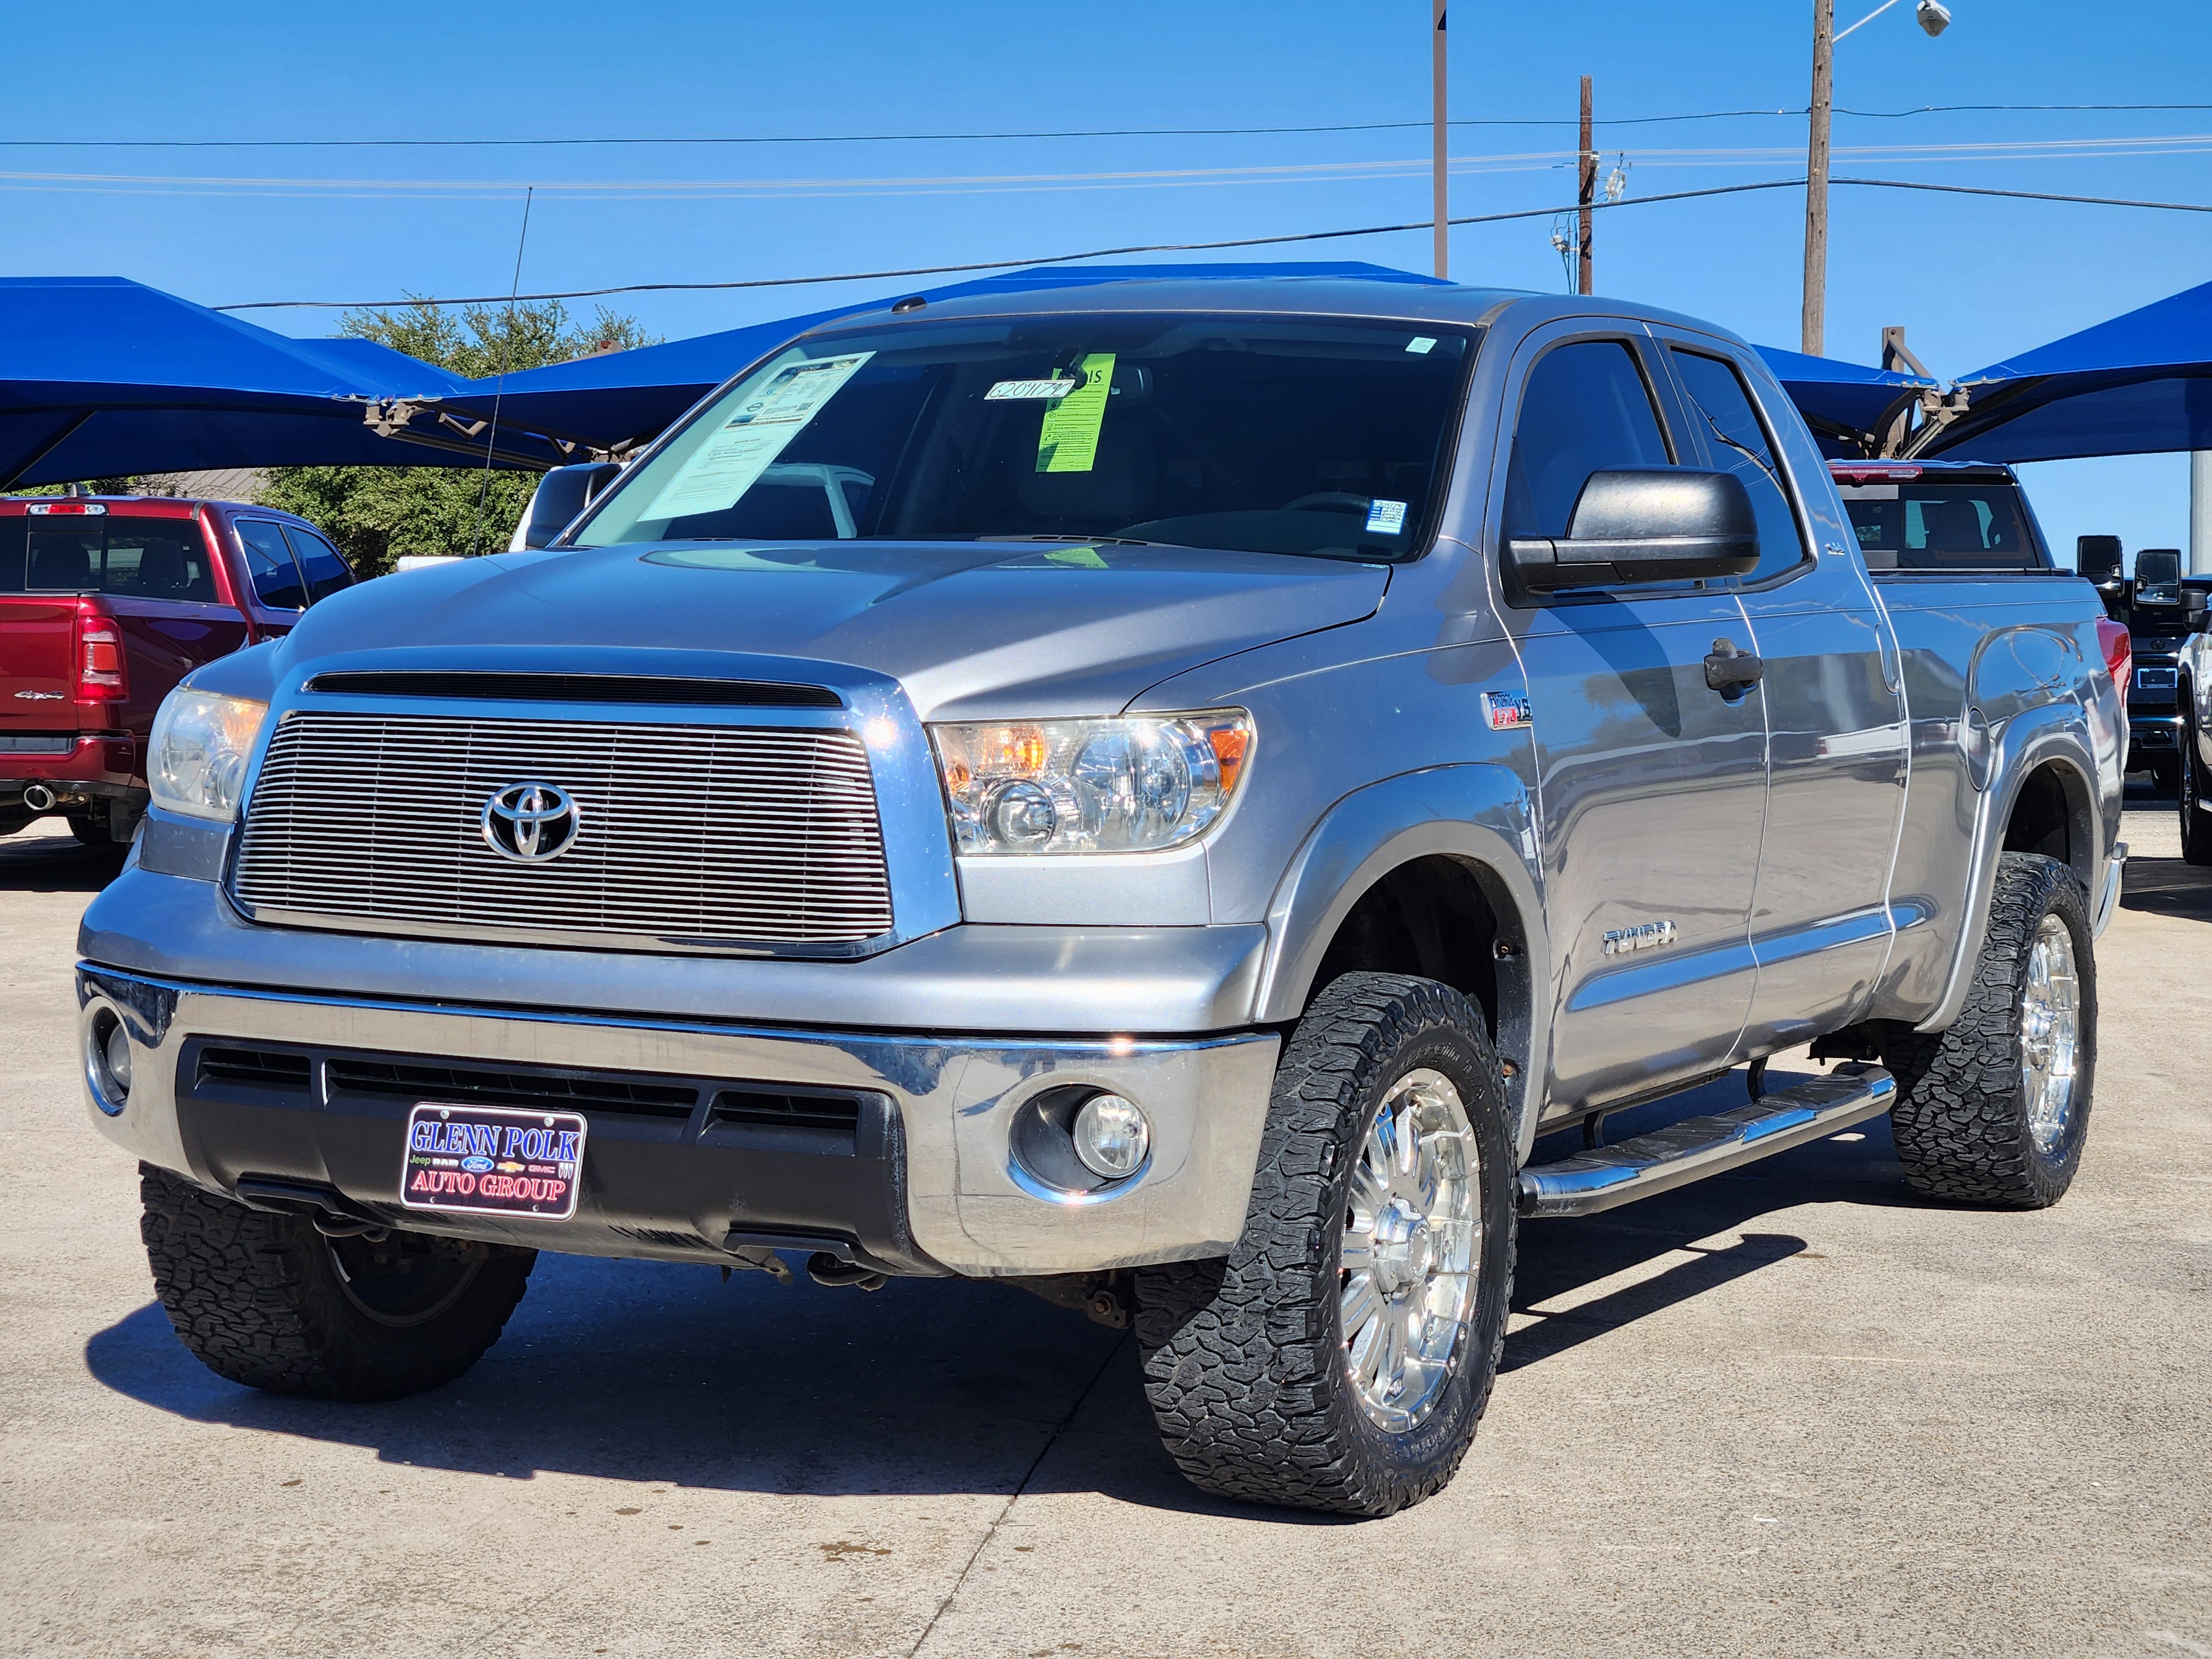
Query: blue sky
1973	280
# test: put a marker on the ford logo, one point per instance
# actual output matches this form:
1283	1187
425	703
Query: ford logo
476	1166
531	822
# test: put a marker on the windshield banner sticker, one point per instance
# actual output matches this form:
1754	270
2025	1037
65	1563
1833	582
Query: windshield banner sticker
1067	441
731	461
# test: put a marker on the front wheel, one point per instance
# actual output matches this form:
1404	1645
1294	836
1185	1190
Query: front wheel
1995	1110
1340	1357
267	1301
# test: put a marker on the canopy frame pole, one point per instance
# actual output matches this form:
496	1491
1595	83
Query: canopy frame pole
69	429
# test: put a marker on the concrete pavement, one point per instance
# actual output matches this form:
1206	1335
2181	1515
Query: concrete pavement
1790	1411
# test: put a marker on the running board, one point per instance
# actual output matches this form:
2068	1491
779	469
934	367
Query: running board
1700	1147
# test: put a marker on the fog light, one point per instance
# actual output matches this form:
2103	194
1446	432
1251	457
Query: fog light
1112	1137
111	1060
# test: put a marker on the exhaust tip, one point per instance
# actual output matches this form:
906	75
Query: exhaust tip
39	797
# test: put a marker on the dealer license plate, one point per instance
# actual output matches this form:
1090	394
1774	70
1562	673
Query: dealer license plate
492	1160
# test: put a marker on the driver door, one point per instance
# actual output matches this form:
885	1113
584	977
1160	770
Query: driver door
1651	787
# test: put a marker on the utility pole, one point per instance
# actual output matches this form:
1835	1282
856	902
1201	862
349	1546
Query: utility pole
1588	189
1442	132
2200	512
1816	178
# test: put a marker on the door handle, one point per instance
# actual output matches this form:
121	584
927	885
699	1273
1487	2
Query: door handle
1732	673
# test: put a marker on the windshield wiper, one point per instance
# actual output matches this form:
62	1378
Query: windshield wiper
1086	541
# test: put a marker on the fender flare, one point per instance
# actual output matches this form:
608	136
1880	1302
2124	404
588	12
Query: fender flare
1477	814
2054	731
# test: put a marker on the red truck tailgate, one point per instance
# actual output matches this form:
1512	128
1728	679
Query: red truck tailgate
37	638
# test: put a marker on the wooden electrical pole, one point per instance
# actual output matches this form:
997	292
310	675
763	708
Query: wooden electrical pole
1816	178
1588	189
1442	133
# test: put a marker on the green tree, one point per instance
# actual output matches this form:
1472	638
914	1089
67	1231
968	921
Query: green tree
378	515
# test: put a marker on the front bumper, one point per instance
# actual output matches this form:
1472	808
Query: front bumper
2152	734
926	1182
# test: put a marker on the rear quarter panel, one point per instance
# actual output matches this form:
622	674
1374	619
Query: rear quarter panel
1985	659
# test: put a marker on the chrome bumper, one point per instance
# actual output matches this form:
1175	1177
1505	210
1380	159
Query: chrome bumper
957	1097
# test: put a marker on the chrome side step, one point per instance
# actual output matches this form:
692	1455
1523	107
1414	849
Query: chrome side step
1700	1147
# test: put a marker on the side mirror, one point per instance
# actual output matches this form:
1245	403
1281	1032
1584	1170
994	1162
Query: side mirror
1644	525
2097	558
562	493
2196	603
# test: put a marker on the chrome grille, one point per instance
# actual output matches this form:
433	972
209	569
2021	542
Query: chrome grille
701	835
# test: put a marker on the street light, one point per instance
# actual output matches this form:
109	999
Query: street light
1934	17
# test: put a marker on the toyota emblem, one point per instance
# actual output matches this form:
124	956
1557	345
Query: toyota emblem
531	822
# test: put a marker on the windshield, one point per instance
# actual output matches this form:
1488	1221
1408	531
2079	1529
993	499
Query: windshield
1271	436
1931	524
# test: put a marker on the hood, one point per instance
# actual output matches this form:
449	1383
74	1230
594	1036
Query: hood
971	629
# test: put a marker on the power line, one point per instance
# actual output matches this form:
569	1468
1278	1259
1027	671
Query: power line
989	264
2029	195
1193	247
1064	132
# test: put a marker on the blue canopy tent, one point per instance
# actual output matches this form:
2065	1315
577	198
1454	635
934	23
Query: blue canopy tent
2140	384
624	398
100	376
1849	406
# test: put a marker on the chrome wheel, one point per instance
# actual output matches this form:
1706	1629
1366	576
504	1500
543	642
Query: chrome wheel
2050	1033
1412	1236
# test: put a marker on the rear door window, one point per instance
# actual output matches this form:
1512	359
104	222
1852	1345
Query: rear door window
326	572
130	557
1737	442
275	578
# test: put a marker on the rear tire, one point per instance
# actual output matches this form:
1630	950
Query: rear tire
91	827
268	1301
1974	1122
2165	773
1257	1391
2189	794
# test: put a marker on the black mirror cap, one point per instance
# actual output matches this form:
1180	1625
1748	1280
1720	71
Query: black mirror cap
2098	557
2197	605
1645	525
562	493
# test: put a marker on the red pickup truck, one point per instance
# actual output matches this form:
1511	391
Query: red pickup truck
106	603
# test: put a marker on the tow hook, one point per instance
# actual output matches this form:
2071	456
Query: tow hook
824	1268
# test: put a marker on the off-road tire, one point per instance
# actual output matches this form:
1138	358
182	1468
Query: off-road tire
1960	1119
2189	792
1243	1357
259	1298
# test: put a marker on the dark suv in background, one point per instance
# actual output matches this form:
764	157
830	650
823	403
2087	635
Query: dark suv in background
106	603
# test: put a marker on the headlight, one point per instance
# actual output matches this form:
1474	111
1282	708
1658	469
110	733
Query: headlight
1102	785
196	759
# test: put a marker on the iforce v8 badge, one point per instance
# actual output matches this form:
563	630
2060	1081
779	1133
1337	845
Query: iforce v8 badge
1507	711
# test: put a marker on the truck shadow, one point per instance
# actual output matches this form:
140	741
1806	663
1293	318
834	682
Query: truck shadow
653	1372
56	864
2167	887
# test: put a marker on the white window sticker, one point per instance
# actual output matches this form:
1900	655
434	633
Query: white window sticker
1386	518
728	464
1004	390
1420	345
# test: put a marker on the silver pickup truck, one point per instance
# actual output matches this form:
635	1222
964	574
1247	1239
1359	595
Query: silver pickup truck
1160	794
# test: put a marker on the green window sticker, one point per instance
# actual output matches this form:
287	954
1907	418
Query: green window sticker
1067	440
